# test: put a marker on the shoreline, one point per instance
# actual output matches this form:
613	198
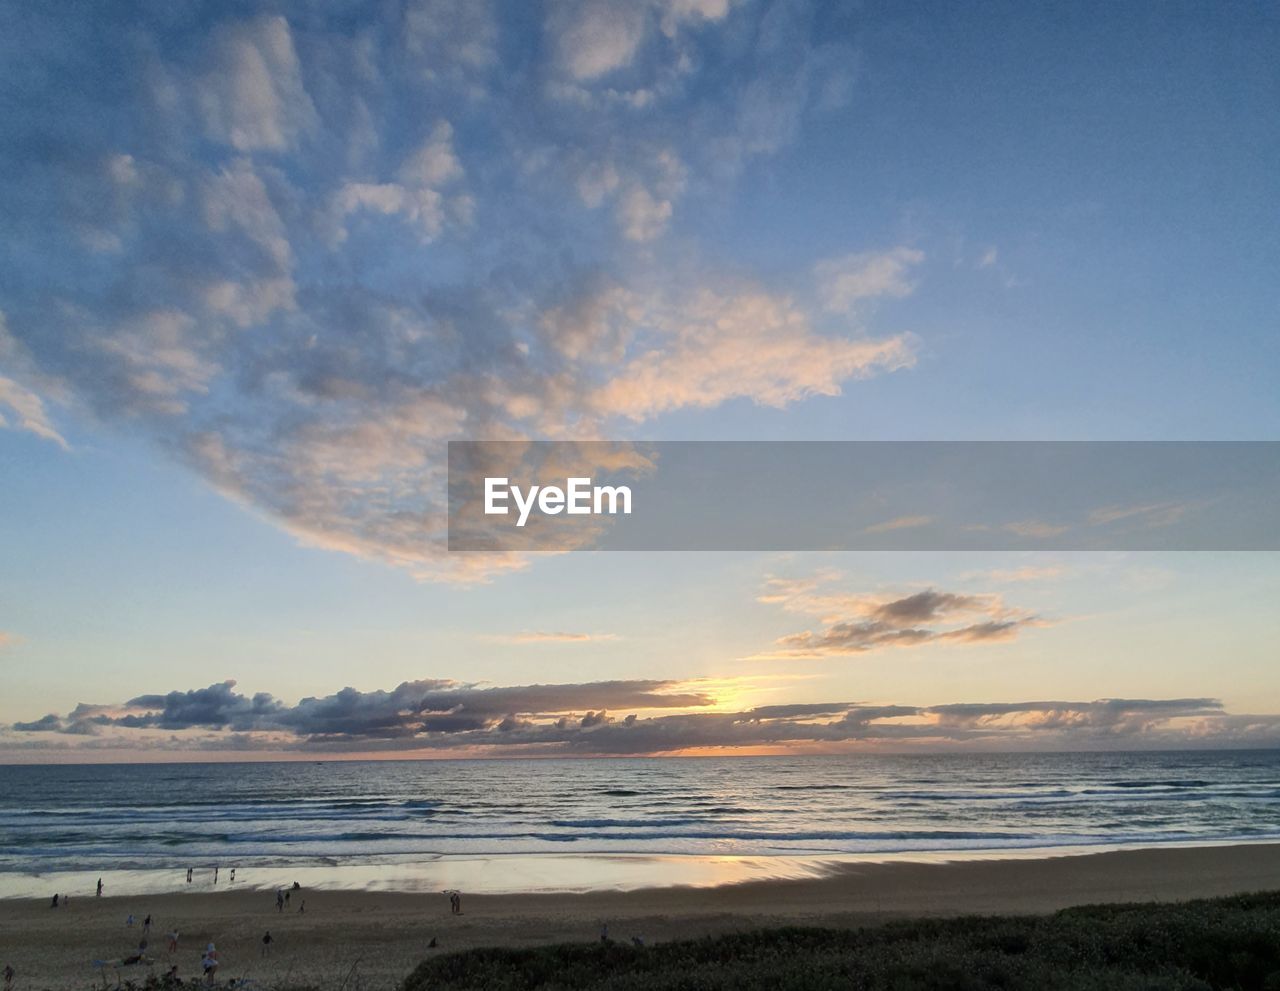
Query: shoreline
537	873
383	935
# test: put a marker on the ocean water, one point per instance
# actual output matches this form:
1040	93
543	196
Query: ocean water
510	825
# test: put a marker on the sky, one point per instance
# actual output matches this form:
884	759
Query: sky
261	262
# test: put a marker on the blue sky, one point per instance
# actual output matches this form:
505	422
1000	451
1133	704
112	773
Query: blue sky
261	261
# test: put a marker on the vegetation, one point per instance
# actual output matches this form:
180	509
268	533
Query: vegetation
1227	943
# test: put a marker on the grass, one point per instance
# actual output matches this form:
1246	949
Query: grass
1223	943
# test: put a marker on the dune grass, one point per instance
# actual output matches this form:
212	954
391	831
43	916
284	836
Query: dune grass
1223	943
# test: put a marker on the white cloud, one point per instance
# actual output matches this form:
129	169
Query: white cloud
227	315
28	411
553	636
417	195
846	281
641	216
899	523
593	38
434	163
451	36
161	357
235	202
253	96
749	345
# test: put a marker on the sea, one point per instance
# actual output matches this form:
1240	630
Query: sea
579	824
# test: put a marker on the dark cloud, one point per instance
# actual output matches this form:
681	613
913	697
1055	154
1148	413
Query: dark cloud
45	724
930	616
413	709
214	707
435	715
926	606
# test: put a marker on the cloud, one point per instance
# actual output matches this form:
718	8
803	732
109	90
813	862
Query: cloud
300	252
1149	514
417	195
749	345
553	636
900	523
253	96
410	710
451	37
859	623
27	412
26	409
849	280
1026	573
442	716
1035	528
593	38
7	639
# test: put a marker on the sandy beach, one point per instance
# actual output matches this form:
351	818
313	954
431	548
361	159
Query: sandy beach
371	940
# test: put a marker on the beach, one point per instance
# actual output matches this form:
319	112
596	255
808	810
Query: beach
372	939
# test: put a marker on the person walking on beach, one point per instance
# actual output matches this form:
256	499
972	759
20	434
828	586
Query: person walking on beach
188	875
233	875
129	920
8	976
99	887
209	961
279	900
55	901
146	923
215	873
172	937
266	943
455	902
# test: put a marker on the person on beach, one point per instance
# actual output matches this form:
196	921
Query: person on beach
129	920
455	902
302	909
55	902
172	937
8	976
99	887
266	943
146	923
279	900
209	961
233	875
215	874
188	875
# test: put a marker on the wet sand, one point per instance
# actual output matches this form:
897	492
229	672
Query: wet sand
370	940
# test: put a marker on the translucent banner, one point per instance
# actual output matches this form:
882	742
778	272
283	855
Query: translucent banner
864	495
